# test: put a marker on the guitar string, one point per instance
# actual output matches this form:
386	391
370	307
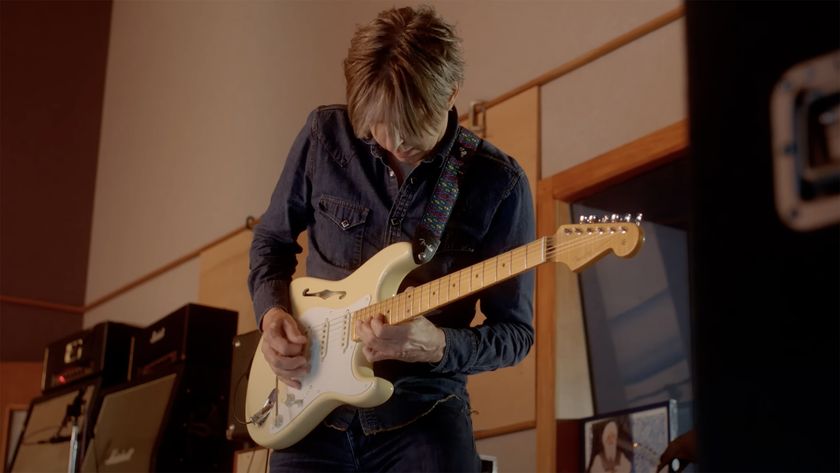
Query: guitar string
551	249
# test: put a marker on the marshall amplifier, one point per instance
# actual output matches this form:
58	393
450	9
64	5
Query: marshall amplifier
45	442
171	421
104	350
244	347
194	333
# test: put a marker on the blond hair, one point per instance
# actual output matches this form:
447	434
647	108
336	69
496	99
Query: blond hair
402	69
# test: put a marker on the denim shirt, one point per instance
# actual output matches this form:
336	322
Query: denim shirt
341	189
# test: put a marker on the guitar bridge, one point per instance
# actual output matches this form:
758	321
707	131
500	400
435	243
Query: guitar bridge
261	415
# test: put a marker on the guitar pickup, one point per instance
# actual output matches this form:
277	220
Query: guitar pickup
261	415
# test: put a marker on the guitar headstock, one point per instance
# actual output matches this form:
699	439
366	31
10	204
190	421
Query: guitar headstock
581	244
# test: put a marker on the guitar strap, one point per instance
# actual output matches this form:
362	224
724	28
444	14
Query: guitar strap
438	209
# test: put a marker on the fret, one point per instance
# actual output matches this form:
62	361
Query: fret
465	281
503	265
389	310
425	295
517	263
415	301
534	254
401	307
476	277
454	285
408	301
491	271
444	289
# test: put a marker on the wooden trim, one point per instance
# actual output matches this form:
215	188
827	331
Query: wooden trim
545	390
626	161
593	55
72	309
504	430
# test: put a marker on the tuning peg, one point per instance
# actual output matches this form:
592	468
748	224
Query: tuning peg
638	219
591	219
614	218
582	219
628	218
605	219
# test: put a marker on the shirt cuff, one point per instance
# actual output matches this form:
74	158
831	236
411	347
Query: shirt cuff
268	295
460	351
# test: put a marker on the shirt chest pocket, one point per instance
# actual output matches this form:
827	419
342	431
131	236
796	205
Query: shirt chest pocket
339	230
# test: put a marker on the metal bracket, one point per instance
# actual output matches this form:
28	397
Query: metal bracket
478	117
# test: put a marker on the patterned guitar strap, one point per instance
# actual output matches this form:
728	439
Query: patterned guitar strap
427	238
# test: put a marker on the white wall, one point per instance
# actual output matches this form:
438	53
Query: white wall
203	99
618	98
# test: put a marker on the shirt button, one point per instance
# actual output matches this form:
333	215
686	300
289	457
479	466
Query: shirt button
345	223
391	173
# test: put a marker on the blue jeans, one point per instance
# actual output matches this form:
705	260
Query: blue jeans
439	441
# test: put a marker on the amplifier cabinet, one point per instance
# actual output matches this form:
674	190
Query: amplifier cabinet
244	347
44	443
103	351
195	333
173	421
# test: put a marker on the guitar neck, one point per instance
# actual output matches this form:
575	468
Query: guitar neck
439	292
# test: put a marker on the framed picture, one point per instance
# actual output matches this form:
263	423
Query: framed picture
630	440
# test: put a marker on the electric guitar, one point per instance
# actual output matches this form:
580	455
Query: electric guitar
279	415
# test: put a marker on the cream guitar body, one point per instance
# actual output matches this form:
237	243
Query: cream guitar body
340	374
279	415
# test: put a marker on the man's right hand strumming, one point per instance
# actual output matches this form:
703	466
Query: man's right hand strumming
284	347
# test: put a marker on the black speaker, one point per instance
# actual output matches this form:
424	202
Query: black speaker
244	348
44	444
104	350
194	333
173	414
173	421
765	240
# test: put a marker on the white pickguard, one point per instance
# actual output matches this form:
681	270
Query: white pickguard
331	359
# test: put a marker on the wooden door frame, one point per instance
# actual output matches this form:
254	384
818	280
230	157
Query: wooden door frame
631	159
